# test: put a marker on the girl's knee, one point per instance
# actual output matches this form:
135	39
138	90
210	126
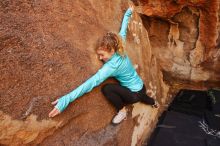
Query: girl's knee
106	88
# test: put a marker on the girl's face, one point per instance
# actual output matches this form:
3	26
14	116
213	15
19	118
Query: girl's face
104	55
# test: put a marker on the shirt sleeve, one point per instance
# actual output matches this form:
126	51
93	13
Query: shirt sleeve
124	25
102	74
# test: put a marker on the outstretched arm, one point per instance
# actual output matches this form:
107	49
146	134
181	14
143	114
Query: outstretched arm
124	25
60	104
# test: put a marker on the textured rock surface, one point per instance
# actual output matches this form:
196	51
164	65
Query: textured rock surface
47	49
185	37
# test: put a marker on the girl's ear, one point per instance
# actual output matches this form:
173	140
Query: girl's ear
112	51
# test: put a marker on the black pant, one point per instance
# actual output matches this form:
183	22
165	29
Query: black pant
119	96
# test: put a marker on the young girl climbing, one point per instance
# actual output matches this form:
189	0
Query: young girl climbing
118	65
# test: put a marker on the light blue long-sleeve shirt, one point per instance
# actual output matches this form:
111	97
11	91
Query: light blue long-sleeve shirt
117	66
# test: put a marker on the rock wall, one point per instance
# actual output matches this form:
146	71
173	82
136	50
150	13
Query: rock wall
47	50
185	37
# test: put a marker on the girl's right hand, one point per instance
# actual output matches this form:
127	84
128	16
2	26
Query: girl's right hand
55	111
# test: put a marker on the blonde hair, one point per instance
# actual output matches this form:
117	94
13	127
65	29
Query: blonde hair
112	41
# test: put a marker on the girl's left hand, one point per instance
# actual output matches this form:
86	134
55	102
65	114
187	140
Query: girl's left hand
55	111
131	6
